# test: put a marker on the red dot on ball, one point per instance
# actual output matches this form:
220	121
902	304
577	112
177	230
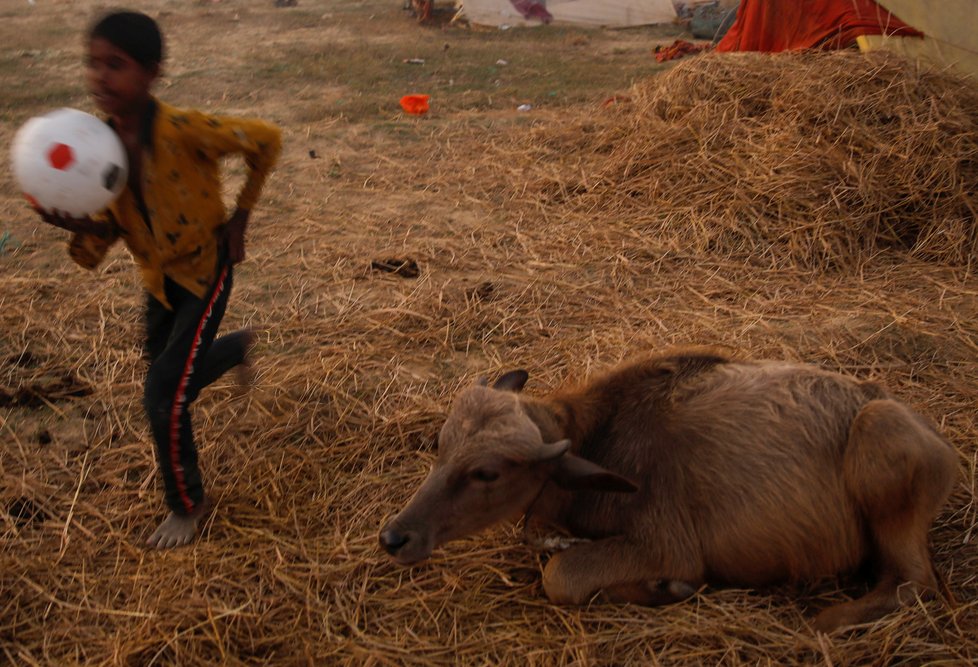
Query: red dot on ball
61	156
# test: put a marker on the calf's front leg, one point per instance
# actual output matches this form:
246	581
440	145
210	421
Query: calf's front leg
617	571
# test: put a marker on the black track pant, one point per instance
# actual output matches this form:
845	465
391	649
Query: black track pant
183	359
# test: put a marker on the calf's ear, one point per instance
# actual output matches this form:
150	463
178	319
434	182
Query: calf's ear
576	474
512	381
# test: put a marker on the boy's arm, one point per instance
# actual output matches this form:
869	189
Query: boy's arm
91	236
259	142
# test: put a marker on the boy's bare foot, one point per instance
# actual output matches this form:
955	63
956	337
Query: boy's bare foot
245	371
176	530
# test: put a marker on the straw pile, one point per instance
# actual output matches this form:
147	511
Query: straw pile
812	161
356	367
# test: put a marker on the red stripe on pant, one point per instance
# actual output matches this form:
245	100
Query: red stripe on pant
178	399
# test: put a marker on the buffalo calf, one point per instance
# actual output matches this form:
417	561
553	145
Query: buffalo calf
687	468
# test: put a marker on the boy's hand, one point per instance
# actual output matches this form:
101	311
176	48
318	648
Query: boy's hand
83	225
234	234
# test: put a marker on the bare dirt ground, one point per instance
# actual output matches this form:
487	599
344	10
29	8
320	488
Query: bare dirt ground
356	366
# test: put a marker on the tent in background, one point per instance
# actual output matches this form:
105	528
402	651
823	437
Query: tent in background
607	13
950	30
777	25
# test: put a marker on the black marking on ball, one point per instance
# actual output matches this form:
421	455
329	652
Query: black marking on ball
111	176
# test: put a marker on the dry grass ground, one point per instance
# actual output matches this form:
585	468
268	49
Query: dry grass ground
523	261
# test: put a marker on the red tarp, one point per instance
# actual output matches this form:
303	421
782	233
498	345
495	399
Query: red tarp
786	25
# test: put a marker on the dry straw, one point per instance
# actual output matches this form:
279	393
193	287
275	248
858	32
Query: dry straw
796	161
705	210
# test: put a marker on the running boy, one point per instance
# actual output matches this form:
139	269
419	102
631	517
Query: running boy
172	218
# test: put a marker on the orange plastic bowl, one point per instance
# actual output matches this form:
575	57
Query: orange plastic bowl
415	104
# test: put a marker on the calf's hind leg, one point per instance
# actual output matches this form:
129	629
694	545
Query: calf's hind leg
899	471
619	571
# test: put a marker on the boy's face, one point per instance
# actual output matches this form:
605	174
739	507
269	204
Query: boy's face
118	84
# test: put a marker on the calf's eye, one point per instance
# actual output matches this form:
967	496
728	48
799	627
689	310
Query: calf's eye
484	475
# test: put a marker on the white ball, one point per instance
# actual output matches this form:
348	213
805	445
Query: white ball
69	161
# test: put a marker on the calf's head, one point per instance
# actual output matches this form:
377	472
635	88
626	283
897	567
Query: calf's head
492	463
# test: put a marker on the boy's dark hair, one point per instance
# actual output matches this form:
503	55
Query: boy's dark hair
133	32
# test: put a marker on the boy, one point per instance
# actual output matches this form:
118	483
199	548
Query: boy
172	218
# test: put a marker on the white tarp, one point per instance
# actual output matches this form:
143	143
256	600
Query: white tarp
950	30
608	13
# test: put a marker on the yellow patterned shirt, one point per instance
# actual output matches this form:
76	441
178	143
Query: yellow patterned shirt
177	233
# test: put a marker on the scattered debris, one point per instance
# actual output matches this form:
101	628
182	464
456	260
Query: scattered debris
712	21
533	9
415	104
677	50
616	99
25	512
25	359
483	292
524	107
406	268
414	61
39	394
422	9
